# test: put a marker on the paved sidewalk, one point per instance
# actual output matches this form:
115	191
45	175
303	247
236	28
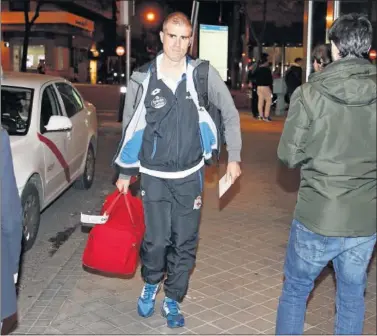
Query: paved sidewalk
235	286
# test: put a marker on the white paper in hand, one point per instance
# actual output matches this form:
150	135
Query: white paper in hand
224	185
89	219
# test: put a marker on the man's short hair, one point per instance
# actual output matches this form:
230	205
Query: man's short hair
177	18
298	60
352	34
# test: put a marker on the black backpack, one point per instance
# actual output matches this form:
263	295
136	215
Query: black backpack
201	86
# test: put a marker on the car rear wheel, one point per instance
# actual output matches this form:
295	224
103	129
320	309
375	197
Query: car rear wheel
85	181
31	215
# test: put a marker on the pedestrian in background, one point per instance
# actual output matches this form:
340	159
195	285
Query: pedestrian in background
264	83
321	57
293	78
330	133
41	69
253	87
11	236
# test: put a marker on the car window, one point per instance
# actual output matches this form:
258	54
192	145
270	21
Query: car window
49	106
16	107
71	99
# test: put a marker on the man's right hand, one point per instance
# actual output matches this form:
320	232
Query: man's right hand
123	184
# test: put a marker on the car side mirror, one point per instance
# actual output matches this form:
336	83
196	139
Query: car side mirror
58	123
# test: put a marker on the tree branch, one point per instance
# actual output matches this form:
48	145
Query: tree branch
26	13
261	35
37	9
249	22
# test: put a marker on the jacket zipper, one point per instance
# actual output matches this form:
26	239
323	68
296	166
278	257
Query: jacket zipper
177	110
154	146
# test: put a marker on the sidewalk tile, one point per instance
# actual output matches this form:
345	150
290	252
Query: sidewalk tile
136	328
225	323
121	320
242	330
207	329
37	330
52	331
261	325
164	330
209	315
85	319
194	321
101	327
227	309
242	316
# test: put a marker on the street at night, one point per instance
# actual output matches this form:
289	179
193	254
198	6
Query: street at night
250	130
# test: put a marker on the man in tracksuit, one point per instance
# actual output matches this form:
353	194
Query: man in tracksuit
167	137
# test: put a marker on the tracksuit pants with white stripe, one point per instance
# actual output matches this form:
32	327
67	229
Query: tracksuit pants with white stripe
172	210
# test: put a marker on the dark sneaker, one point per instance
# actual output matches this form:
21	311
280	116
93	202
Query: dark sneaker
170	310
268	119
147	299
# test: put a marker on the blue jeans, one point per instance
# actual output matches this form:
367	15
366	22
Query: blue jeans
307	254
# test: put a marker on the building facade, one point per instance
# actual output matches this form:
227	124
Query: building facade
62	36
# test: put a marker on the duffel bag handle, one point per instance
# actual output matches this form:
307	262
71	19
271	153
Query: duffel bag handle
129	209
108	212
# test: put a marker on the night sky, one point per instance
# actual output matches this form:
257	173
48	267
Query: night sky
210	10
289	33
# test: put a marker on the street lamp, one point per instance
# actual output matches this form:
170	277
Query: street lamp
120	51
150	16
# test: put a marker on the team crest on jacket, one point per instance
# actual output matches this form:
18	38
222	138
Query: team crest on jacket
198	203
158	102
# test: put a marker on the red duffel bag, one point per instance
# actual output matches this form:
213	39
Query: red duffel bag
113	247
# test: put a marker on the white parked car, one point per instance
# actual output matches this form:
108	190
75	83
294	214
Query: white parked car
53	134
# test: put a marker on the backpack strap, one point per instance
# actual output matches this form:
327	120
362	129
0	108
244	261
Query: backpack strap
201	84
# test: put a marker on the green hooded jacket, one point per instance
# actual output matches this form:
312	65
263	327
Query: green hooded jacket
330	132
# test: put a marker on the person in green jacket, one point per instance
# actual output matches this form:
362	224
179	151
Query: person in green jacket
330	133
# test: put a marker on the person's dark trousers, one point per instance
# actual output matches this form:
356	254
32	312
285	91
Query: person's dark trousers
254	102
172	210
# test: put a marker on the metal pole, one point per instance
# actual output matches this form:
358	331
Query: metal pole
128	54
280	87
282	70
336	9
194	23
193	12
124	20
329	17
308	37
332	13
245	54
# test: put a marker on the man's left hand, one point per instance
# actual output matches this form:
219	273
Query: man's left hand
233	171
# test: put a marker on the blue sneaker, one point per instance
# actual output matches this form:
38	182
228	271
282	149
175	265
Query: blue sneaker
147	299
170	310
